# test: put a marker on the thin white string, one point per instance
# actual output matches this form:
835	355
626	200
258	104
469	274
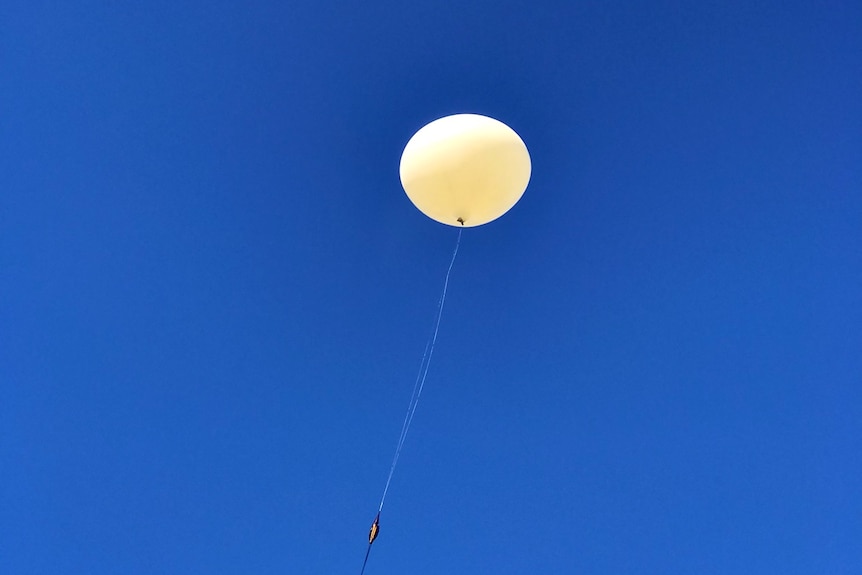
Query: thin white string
419	385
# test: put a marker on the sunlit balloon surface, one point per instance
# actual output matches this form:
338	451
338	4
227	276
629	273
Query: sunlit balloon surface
465	170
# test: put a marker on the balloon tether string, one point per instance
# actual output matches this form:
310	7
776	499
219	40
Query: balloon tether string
418	386
364	563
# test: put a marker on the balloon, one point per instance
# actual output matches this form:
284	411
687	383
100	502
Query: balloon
465	170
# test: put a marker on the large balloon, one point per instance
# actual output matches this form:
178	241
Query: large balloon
465	170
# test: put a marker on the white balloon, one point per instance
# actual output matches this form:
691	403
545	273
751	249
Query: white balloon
465	170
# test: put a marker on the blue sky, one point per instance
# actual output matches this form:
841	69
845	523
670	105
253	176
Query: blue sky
215	294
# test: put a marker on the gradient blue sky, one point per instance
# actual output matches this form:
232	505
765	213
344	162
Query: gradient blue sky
214	294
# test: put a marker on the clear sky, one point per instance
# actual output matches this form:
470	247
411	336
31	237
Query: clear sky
214	294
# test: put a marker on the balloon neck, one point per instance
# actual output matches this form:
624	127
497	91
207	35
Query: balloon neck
460	221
